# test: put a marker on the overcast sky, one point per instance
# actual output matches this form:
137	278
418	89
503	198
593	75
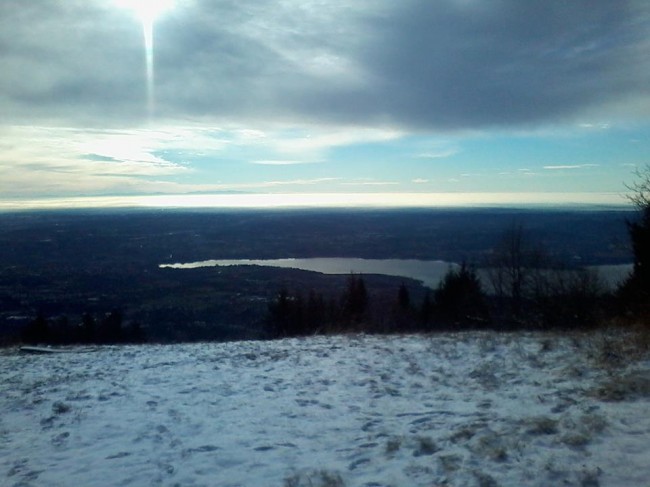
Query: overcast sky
324	96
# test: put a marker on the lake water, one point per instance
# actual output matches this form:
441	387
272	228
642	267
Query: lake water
430	272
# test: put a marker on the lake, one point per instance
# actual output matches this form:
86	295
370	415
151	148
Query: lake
430	272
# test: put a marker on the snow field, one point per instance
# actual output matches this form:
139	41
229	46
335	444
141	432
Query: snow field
482	409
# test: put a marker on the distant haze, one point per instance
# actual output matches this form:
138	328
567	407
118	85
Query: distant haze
324	200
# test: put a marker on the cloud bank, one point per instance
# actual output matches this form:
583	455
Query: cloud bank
412	65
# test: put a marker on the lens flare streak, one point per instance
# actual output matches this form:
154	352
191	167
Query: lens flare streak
147	29
148	11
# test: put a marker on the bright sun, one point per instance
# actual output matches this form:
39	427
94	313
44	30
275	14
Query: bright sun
147	10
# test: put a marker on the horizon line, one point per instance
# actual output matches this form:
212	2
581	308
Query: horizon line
319	200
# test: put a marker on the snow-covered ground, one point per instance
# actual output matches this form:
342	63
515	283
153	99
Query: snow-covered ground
480	409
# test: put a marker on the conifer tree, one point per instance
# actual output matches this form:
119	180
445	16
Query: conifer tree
636	290
459	300
355	299
403	298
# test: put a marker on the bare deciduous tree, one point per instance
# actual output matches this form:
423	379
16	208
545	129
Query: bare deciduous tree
512	265
640	189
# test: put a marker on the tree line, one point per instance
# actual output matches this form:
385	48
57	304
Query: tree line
533	298
522	287
103	329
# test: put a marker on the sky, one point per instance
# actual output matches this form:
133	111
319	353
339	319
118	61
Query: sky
410	102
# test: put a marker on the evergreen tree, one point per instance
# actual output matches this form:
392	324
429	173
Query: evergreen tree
426	310
279	314
402	319
88	328
640	236
316	312
355	299
135	333
459	299
403	298
288	316
61	332
110	329
635	292
37	331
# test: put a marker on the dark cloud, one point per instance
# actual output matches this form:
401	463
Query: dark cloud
449	64
461	64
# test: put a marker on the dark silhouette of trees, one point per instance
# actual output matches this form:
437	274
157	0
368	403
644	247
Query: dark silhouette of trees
37	331
512	266
528	291
110	328
566	298
281	315
635	291
403	317
640	237
459	300
136	333
403	298
533	291
316	312
355	299
426	310
88	328
60	331
640	189
290	315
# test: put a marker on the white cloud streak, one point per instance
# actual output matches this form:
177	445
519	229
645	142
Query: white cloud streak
275	162
569	167
441	154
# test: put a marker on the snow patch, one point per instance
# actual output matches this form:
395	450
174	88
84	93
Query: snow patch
452	409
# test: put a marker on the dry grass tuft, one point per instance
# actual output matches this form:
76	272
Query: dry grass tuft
541	425
393	445
314	478
618	347
630	386
620	351
425	446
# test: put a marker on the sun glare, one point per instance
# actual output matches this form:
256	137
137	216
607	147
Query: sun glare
147	10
